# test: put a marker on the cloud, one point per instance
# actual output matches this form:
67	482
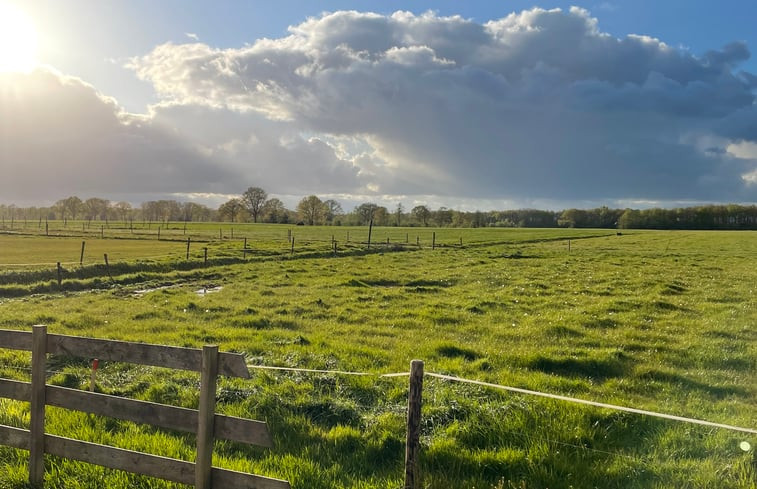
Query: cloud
538	104
59	136
192	35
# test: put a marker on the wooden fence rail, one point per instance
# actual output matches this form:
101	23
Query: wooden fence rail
204	422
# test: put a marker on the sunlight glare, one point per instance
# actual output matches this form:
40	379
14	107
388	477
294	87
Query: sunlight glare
18	40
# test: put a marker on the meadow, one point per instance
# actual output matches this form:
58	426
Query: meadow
663	321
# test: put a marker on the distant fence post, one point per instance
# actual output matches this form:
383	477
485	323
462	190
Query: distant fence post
208	381
433	240
81	257
412	446
60	274
37	424
107	266
370	230
205	250
188	240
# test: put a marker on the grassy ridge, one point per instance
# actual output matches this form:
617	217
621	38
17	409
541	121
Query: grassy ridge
655	320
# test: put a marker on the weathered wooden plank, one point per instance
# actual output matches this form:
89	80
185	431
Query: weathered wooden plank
160	415
15	340
150	465
242	430
37	423
206	417
169	417
14	389
14	437
241	480
230	364
117	458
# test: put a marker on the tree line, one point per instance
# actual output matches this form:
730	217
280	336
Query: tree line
255	205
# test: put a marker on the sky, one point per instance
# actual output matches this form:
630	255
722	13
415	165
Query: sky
468	105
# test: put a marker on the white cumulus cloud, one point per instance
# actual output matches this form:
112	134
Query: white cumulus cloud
538	104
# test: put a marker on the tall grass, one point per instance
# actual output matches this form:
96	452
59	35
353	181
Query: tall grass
655	320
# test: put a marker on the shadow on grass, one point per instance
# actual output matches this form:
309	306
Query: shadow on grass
677	379
616	365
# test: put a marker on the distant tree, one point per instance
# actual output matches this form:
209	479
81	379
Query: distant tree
332	210
421	213
69	207
398	214
253	199
381	216
192	211
311	210
96	208
366	212
123	209
230	210
274	211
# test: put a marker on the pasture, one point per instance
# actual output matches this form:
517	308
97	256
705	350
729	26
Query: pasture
663	321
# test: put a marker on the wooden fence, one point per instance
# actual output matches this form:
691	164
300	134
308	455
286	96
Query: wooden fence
204	422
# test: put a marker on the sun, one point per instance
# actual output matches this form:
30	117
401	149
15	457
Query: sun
18	40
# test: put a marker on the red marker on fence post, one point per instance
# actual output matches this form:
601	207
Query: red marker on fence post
93	377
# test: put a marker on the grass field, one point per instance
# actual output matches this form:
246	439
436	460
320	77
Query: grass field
663	321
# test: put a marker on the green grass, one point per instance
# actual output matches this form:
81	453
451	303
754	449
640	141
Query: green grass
663	321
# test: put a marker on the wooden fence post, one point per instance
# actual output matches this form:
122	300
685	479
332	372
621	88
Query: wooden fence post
370	230
81	257
60	273
205	262
107	266
188	240
433	240
208	380
37	425
412	447
292	251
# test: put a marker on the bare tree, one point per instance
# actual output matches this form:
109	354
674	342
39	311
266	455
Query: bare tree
332	209
254	199
231	209
311	210
124	209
